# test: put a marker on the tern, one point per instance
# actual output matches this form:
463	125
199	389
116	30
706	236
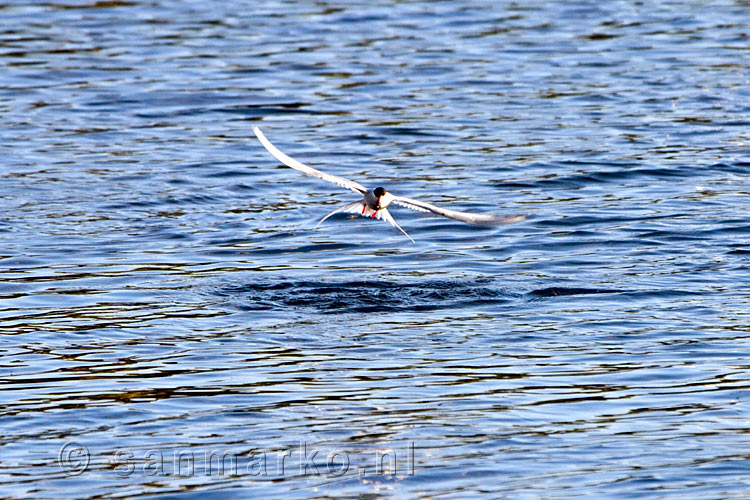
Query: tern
375	202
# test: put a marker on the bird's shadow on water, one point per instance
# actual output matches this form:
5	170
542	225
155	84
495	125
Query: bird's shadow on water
368	296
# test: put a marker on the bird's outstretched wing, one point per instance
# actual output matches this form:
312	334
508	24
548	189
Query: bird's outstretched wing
296	165
482	219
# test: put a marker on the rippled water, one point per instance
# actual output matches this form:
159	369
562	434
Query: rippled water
167	306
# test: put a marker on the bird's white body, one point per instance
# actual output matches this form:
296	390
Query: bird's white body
375	202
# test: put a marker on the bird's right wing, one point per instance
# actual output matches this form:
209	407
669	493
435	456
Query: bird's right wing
484	219
296	165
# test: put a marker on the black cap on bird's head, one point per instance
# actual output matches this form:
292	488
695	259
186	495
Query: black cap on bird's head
379	192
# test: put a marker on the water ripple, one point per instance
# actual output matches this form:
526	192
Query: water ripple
163	293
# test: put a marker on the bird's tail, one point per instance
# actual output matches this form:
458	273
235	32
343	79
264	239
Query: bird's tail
349	207
384	214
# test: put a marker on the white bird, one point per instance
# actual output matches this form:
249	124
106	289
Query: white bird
375	201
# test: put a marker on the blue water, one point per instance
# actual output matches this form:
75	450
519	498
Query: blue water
167	307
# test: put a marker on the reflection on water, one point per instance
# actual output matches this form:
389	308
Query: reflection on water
172	322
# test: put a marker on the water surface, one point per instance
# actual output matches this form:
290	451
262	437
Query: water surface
167	308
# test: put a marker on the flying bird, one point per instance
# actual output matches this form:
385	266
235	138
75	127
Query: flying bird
375	202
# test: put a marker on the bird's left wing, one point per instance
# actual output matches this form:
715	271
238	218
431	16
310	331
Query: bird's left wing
296	165
483	219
